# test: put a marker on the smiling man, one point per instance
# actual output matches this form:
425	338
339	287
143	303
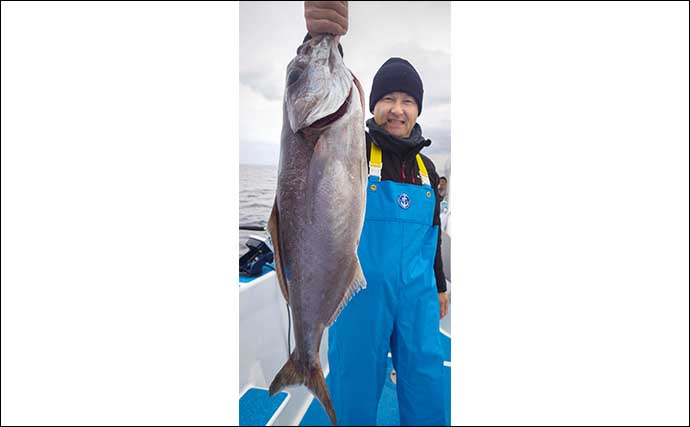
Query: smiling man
400	254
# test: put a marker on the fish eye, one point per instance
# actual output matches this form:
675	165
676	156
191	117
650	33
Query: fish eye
293	76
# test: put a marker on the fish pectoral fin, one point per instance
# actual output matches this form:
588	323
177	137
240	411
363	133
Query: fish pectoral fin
313	378
274	231
358	283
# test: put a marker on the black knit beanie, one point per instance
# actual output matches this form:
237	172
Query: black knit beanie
396	75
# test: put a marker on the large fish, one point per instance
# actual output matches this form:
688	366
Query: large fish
318	212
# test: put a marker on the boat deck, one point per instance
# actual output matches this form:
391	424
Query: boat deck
263	351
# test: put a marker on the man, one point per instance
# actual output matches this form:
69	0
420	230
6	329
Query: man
400	254
442	188
442	183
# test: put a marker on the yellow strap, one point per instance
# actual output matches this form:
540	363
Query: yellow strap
375	156
375	164
422	168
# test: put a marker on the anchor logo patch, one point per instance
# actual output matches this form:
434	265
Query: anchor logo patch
404	201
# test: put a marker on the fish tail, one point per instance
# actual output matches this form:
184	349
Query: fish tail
317	385
313	379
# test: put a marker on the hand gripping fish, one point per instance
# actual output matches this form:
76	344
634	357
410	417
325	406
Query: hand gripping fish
318	212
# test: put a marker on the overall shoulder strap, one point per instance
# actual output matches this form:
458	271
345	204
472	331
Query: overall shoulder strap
422	170
375	163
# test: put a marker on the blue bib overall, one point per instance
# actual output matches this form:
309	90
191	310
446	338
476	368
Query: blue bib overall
398	310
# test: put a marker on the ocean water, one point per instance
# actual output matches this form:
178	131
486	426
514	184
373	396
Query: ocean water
257	192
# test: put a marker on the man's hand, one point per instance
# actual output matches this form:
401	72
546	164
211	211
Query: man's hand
326	17
443	302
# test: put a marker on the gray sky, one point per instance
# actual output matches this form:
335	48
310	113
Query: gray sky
270	33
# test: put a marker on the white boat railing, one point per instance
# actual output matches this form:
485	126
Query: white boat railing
264	346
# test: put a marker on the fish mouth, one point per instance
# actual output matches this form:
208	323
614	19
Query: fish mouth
340	112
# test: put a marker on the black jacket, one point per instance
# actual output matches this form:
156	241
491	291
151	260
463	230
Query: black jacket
400	165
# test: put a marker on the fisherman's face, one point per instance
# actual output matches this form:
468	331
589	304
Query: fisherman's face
396	112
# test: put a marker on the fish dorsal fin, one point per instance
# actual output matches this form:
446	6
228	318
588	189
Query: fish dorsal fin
358	283
274	230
